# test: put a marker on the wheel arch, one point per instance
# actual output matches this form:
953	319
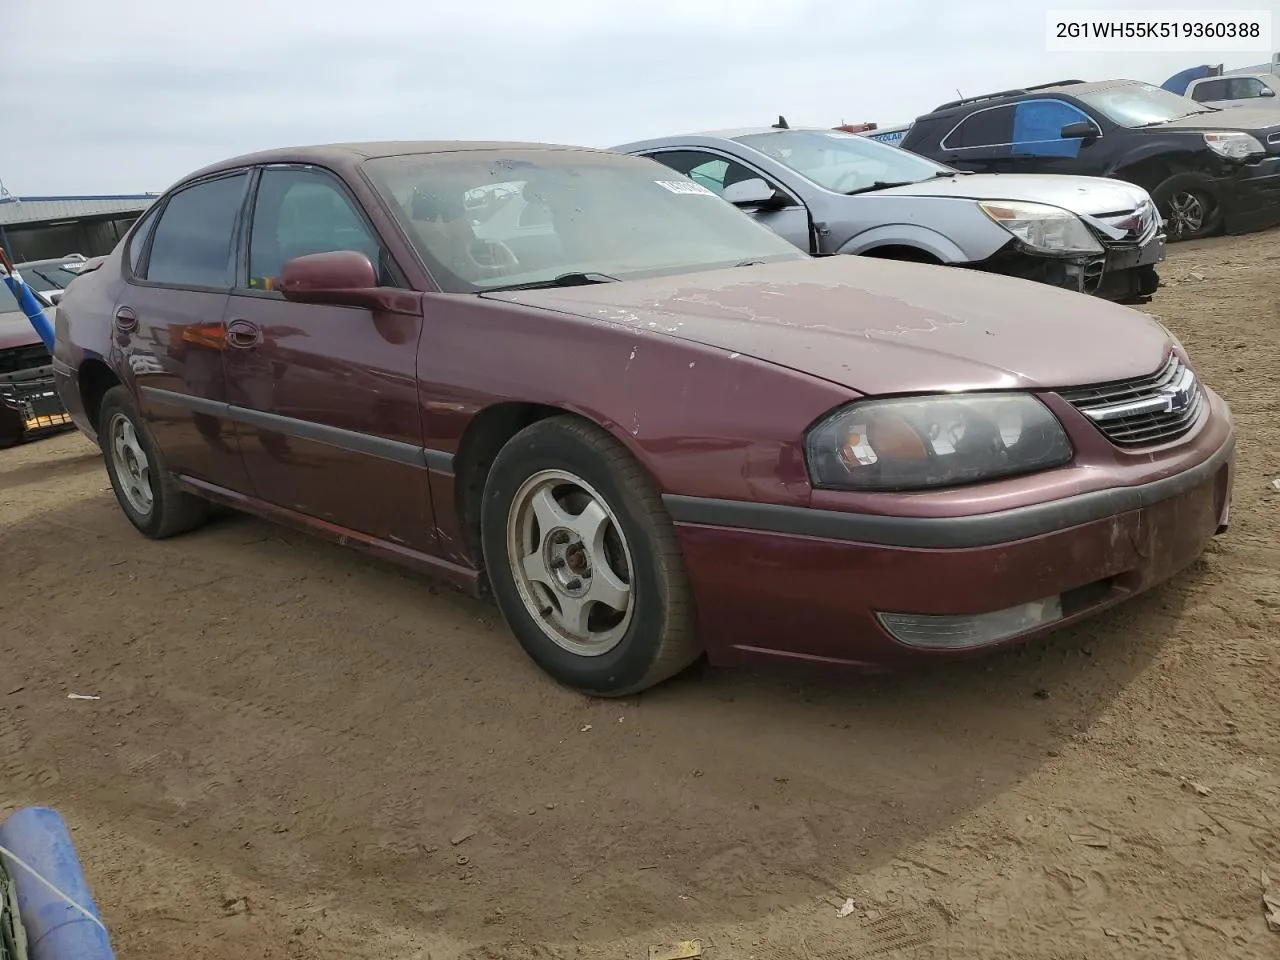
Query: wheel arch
940	247
1152	169
904	252
489	430
93	379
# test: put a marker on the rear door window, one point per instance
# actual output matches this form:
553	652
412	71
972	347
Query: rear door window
193	240
1209	90
991	127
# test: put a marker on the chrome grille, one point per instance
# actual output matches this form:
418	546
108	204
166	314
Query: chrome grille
1144	411
17	359
1138	224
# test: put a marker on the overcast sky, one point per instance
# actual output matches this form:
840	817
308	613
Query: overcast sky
123	96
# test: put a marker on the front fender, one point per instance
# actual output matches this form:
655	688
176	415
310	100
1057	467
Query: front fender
936	244
1176	158
703	421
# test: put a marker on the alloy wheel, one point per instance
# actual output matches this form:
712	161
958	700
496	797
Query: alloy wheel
1188	212
132	469
570	562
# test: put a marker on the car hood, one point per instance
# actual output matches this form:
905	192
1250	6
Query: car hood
1249	119
882	326
1089	195
16	330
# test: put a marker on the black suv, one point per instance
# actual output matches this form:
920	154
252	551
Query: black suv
1205	168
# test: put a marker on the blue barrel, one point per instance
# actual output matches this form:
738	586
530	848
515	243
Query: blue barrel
55	930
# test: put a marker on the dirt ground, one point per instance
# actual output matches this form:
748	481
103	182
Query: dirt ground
300	753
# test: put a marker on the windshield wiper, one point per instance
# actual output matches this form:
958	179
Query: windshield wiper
886	184
563	280
1157	123
880	185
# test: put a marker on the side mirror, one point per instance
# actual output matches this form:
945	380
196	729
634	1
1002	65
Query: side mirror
1266	92
749	193
1081	130
54	296
342	278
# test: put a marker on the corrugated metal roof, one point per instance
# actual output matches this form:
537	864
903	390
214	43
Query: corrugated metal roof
15	211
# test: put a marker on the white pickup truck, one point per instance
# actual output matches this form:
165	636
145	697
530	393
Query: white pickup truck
1252	86
1237	90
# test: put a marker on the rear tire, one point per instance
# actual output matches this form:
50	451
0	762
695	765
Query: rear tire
1189	205
584	561
144	487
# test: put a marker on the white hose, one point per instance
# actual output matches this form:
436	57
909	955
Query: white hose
51	888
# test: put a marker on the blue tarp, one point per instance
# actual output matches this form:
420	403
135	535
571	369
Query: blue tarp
31	306
1037	129
1179	82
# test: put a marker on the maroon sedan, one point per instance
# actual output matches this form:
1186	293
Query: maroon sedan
650	425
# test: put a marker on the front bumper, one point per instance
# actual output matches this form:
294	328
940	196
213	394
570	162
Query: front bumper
1251	197
30	406
1129	272
798	586
1122	272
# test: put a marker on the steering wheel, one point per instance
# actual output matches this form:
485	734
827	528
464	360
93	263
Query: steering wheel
492	257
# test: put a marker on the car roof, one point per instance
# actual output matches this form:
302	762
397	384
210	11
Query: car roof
350	155
1092	86
704	135
1066	88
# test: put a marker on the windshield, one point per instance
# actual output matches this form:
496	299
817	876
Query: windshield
842	162
45	278
485	220
8	303
1140	104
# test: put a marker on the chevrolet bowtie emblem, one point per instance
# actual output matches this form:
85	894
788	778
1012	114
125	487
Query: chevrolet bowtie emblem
1179	398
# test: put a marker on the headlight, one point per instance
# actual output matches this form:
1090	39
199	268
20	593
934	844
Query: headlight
923	442
1233	144
1042	227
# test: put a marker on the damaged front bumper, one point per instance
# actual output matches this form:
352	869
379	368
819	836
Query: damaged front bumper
30	406
1250	198
1123	272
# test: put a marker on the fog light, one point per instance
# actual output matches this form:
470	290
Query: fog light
959	632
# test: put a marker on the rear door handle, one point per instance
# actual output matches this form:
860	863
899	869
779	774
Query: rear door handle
243	335
126	319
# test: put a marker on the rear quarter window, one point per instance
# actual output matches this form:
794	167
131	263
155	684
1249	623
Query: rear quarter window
138	240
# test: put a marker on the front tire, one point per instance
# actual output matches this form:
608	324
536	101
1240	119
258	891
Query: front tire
1189	206
584	561
144	487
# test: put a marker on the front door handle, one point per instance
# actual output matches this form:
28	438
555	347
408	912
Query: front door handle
126	319
243	335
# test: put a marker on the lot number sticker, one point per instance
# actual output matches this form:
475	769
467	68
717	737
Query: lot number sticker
682	186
